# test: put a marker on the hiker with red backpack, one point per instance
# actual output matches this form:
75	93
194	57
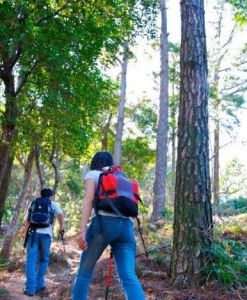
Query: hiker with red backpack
114	198
38	234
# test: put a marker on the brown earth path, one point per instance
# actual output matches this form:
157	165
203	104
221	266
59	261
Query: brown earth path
152	275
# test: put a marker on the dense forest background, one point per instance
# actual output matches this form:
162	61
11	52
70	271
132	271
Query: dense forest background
138	79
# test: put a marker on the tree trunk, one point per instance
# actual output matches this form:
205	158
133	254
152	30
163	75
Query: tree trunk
39	169
221	54
120	119
104	142
193	214
54	159
161	147
12	229
216	164
7	139
4	185
173	167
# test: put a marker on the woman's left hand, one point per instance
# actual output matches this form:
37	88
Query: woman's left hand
81	240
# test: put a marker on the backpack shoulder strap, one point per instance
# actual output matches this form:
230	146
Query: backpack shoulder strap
32	206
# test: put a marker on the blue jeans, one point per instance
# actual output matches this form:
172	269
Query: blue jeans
37	261
117	232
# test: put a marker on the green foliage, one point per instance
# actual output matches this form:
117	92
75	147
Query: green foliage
168	213
3	263
70	194
137	156
3	292
234	207
145	117
229	264
241	11
65	39
233	180
74	181
143	209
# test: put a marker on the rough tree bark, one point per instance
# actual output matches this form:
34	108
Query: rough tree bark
13	226
161	146
120	119
193	214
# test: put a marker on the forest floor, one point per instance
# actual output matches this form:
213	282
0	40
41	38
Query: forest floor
152	273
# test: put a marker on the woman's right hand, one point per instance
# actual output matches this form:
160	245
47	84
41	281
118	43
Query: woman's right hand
81	240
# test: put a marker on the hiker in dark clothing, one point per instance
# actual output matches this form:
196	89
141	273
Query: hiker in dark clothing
38	231
106	228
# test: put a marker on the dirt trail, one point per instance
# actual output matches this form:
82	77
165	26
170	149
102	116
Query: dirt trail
152	276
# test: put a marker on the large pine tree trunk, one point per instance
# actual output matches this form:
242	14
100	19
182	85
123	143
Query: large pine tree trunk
161	147
193	214
13	226
120	119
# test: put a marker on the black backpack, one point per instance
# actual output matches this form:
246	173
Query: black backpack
40	213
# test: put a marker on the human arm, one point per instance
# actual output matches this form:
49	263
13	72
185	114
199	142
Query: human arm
60	218
25	228
86	212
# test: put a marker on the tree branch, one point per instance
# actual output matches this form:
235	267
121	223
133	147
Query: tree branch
234	86
23	79
224	145
230	36
16	55
29	107
240	90
56	13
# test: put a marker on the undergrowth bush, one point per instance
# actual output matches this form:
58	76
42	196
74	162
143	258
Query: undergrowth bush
234	207
229	263
3	263
168	213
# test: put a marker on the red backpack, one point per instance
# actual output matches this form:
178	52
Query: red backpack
117	193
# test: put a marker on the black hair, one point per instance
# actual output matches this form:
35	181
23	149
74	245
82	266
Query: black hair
46	193
100	160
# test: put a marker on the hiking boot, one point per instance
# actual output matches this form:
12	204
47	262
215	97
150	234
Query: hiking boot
28	294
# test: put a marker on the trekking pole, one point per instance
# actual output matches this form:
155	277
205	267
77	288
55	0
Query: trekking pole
109	276
140	232
153	250
66	258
